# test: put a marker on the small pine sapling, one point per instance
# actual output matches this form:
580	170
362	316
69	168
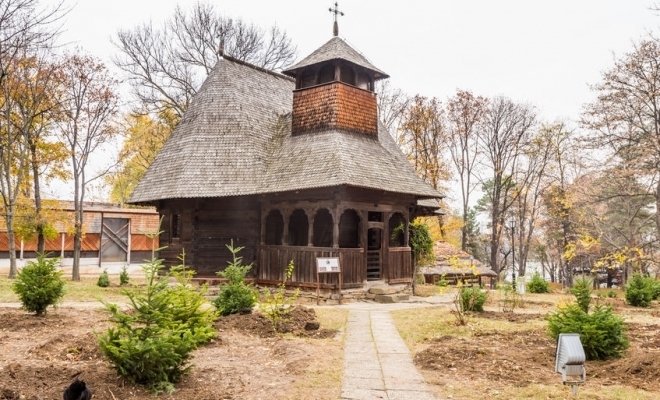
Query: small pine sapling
152	343
123	276
104	279
602	333
39	284
235	296
538	284
582	292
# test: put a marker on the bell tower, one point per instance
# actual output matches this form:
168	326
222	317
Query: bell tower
335	90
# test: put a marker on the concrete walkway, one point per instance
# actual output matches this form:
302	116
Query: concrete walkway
377	363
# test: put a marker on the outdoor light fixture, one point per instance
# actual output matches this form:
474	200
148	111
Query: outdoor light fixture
570	360
512	225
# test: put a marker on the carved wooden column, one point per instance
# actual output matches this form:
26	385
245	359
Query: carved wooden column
264	216
310	230
286	215
385	247
406	233
336	215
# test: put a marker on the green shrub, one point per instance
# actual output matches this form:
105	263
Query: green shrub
509	298
655	287
538	284
640	291
123	276
602	332
473	298
582	291
104	279
611	294
276	305
39	284
442	282
152	342
235	296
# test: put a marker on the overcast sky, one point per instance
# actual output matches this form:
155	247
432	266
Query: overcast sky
542	52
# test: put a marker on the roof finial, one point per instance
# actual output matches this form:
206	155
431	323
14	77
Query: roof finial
335	11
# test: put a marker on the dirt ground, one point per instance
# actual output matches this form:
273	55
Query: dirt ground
497	359
39	357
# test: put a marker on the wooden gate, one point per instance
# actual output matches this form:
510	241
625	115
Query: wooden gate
115	240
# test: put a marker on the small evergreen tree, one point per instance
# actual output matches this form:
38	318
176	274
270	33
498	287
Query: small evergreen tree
39	284
235	296
582	291
538	284
640	291
104	279
152	343
602	333
123	276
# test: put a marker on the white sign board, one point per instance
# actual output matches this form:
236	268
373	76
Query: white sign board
324	265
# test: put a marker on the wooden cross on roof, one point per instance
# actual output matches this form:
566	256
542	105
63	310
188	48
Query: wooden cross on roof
335	11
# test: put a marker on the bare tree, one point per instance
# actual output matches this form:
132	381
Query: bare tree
537	156
392	105
166	65
89	106
465	117
507	130
625	117
25	28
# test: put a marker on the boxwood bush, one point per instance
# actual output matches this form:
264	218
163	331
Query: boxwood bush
473	298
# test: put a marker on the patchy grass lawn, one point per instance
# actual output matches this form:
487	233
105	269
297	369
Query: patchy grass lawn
85	290
510	356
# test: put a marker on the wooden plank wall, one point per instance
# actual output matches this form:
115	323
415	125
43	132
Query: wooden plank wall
90	242
273	261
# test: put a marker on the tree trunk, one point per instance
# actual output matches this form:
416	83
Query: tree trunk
41	242
78	220
13	270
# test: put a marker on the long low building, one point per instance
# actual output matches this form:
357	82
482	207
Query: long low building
112	235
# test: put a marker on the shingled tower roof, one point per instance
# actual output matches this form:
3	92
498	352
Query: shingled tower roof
235	139
335	49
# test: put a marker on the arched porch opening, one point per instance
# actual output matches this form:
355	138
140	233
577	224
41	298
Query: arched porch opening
349	229
323	226
274	228
298	228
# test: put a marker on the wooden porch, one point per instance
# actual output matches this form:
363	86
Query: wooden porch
272	261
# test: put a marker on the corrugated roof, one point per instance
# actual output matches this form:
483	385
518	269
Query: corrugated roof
335	49
235	139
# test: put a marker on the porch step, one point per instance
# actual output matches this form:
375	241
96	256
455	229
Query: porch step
391	298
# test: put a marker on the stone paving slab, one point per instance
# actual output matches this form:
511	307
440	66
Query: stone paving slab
377	363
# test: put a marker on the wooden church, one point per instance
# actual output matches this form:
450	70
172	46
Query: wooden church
290	166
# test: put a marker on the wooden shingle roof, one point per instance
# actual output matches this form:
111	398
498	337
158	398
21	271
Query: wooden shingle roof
335	49
235	139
